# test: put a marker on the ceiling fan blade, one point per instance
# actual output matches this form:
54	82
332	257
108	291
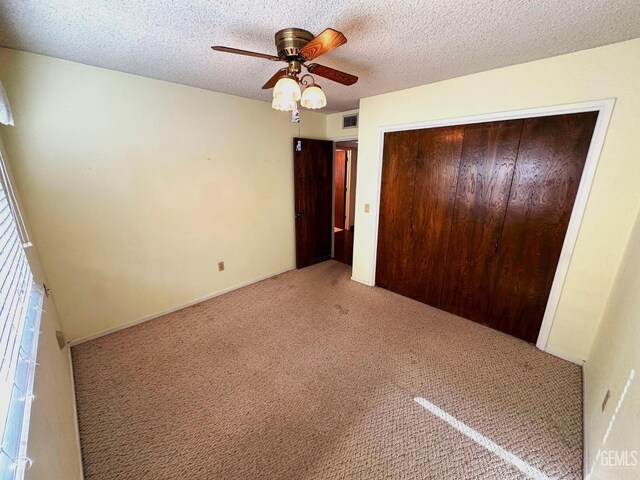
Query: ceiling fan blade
323	43
332	74
219	48
273	80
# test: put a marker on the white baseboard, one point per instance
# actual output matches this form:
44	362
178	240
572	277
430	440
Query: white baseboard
74	405
364	282
564	356
175	309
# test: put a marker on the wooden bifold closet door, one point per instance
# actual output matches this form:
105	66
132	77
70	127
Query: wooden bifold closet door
482	194
473	218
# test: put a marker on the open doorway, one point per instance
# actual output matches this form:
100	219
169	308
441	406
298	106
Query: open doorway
344	194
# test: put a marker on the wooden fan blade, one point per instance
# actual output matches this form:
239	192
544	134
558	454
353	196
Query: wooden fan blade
323	43
273	80
332	74
219	48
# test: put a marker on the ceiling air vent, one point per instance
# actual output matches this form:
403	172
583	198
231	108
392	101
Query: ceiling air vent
350	121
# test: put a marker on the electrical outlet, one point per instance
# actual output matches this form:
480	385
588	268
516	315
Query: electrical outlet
221	266
367	207
606	399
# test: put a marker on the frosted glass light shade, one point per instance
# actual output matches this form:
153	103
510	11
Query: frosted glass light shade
313	97
283	104
288	89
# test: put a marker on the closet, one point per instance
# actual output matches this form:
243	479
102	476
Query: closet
473	217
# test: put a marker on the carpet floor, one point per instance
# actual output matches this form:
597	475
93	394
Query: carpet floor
309	375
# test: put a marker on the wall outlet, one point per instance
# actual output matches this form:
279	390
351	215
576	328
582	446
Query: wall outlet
221	266
606	399
367	207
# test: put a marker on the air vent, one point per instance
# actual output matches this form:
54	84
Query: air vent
350	121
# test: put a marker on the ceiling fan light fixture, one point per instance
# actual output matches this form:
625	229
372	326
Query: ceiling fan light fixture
297	47
313	97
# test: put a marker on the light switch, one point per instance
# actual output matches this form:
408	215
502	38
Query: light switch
220	266
366	208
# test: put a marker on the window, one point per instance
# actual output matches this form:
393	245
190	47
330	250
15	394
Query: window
20	310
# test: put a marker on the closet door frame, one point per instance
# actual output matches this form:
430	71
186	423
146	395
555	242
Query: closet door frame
603	107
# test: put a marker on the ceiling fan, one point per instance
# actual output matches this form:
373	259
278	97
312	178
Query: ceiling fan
297	48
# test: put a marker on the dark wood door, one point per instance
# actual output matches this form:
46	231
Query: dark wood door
339	182
312	168
484	181
436	177
548	169
473	219
394	226
419	174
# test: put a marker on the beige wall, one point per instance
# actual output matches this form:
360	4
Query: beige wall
53	440
136	188
334	130
615	357
607	72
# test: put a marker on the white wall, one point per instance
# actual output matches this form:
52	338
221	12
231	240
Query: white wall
606	72
334	130
136	188
615	355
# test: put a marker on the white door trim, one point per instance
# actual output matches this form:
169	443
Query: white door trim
605	109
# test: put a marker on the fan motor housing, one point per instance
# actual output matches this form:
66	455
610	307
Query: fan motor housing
289	41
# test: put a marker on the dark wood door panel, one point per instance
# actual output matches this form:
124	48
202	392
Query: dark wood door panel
548	169
436	178
396	200
486	169
473	219
312	167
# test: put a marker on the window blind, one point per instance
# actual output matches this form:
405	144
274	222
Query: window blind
20	313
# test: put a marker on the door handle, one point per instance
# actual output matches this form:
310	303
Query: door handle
298	215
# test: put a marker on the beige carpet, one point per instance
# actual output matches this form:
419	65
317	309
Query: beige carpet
312	376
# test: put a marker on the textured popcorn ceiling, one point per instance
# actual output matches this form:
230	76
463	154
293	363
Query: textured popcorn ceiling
392	45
